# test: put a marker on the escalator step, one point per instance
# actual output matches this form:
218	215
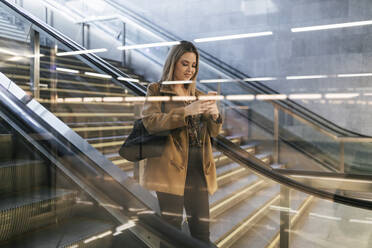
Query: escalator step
76	232
6	145
24	212
21	175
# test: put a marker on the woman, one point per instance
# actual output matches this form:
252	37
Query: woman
186	172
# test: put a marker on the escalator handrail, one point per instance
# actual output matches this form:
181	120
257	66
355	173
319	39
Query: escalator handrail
242	157
256	87
231	150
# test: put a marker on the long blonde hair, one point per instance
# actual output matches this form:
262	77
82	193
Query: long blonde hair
174	55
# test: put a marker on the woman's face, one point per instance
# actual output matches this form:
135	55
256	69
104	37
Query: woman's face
185	67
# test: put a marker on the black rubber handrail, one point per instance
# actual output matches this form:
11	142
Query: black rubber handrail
233	151
242	157
324	174
256	87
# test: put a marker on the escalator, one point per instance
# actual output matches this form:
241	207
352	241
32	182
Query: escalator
86	108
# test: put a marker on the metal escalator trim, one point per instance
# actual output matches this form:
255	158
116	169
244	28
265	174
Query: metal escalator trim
294	219
247	223
77	91
329	180
94	114
107	144
107	128
233	172
127	104
225	203
65	81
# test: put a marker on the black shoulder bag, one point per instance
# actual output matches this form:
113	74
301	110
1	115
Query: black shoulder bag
140	144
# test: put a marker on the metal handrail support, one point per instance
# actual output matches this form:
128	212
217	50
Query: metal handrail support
35	64
285	222
330	180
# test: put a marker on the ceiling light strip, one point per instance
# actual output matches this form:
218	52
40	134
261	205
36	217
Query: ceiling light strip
259	79
99	50
306	77
157	44
331	26
128	79
232	37
354	75
97	75
67	70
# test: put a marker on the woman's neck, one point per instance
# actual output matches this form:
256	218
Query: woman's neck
180	90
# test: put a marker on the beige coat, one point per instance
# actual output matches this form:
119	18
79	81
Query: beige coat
168	172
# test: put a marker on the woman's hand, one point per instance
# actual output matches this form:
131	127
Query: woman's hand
196	108
212	106
212	110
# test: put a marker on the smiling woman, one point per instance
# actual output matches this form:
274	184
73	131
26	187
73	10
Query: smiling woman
185	173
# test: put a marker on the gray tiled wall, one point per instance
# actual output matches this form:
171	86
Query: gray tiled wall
329	52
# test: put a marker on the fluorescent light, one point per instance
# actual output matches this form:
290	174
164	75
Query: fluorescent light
212	98
157	44
177	82
6	51
324	216
123	227
135	99
355	75
259	79
240	97
183	98
305	96
104	234
99	50
97	75
306	77
90	239
218	80
33	55
128	79
66	70
341	95
2	50
73	99
271	97
93	99
367	94
113	99
231	37
331	26
15	58
158	98
360	221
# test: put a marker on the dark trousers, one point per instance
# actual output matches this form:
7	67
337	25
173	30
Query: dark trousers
195	200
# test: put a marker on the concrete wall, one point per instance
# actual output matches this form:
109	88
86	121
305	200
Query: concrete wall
327	52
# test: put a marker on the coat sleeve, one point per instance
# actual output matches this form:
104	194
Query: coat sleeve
155	120
214	126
